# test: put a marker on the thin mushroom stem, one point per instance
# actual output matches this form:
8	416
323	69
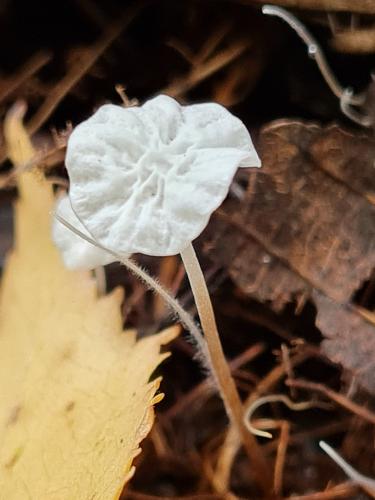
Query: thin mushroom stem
223	378
185	318
209	348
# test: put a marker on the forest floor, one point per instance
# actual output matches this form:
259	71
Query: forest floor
289	258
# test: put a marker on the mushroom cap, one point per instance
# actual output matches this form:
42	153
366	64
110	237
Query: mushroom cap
146	179
77	253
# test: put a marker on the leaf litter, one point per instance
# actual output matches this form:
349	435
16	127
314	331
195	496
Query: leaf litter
304	229
229	53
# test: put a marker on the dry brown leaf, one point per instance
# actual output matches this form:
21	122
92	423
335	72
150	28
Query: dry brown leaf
350	339
75	394
306	222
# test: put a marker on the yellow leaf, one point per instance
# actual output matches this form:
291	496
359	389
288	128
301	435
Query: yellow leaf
75	396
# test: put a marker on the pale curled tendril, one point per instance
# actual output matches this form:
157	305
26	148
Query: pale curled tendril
345	95
274	398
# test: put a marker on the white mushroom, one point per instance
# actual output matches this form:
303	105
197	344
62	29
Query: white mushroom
147	179
76	252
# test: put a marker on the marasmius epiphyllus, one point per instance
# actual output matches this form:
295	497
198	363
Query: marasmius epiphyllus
146	179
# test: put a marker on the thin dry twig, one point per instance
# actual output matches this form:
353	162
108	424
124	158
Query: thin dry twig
205	69
212	42
285	356
79	69
231	443
280	458
318	432
81	66
343	490
205	51
32	66
340	399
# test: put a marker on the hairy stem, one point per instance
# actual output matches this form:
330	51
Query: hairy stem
184	317
209	347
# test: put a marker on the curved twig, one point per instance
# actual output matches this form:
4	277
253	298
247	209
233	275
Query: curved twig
313	48
273	398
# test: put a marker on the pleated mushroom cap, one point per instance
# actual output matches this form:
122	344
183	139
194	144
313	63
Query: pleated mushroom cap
147	179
